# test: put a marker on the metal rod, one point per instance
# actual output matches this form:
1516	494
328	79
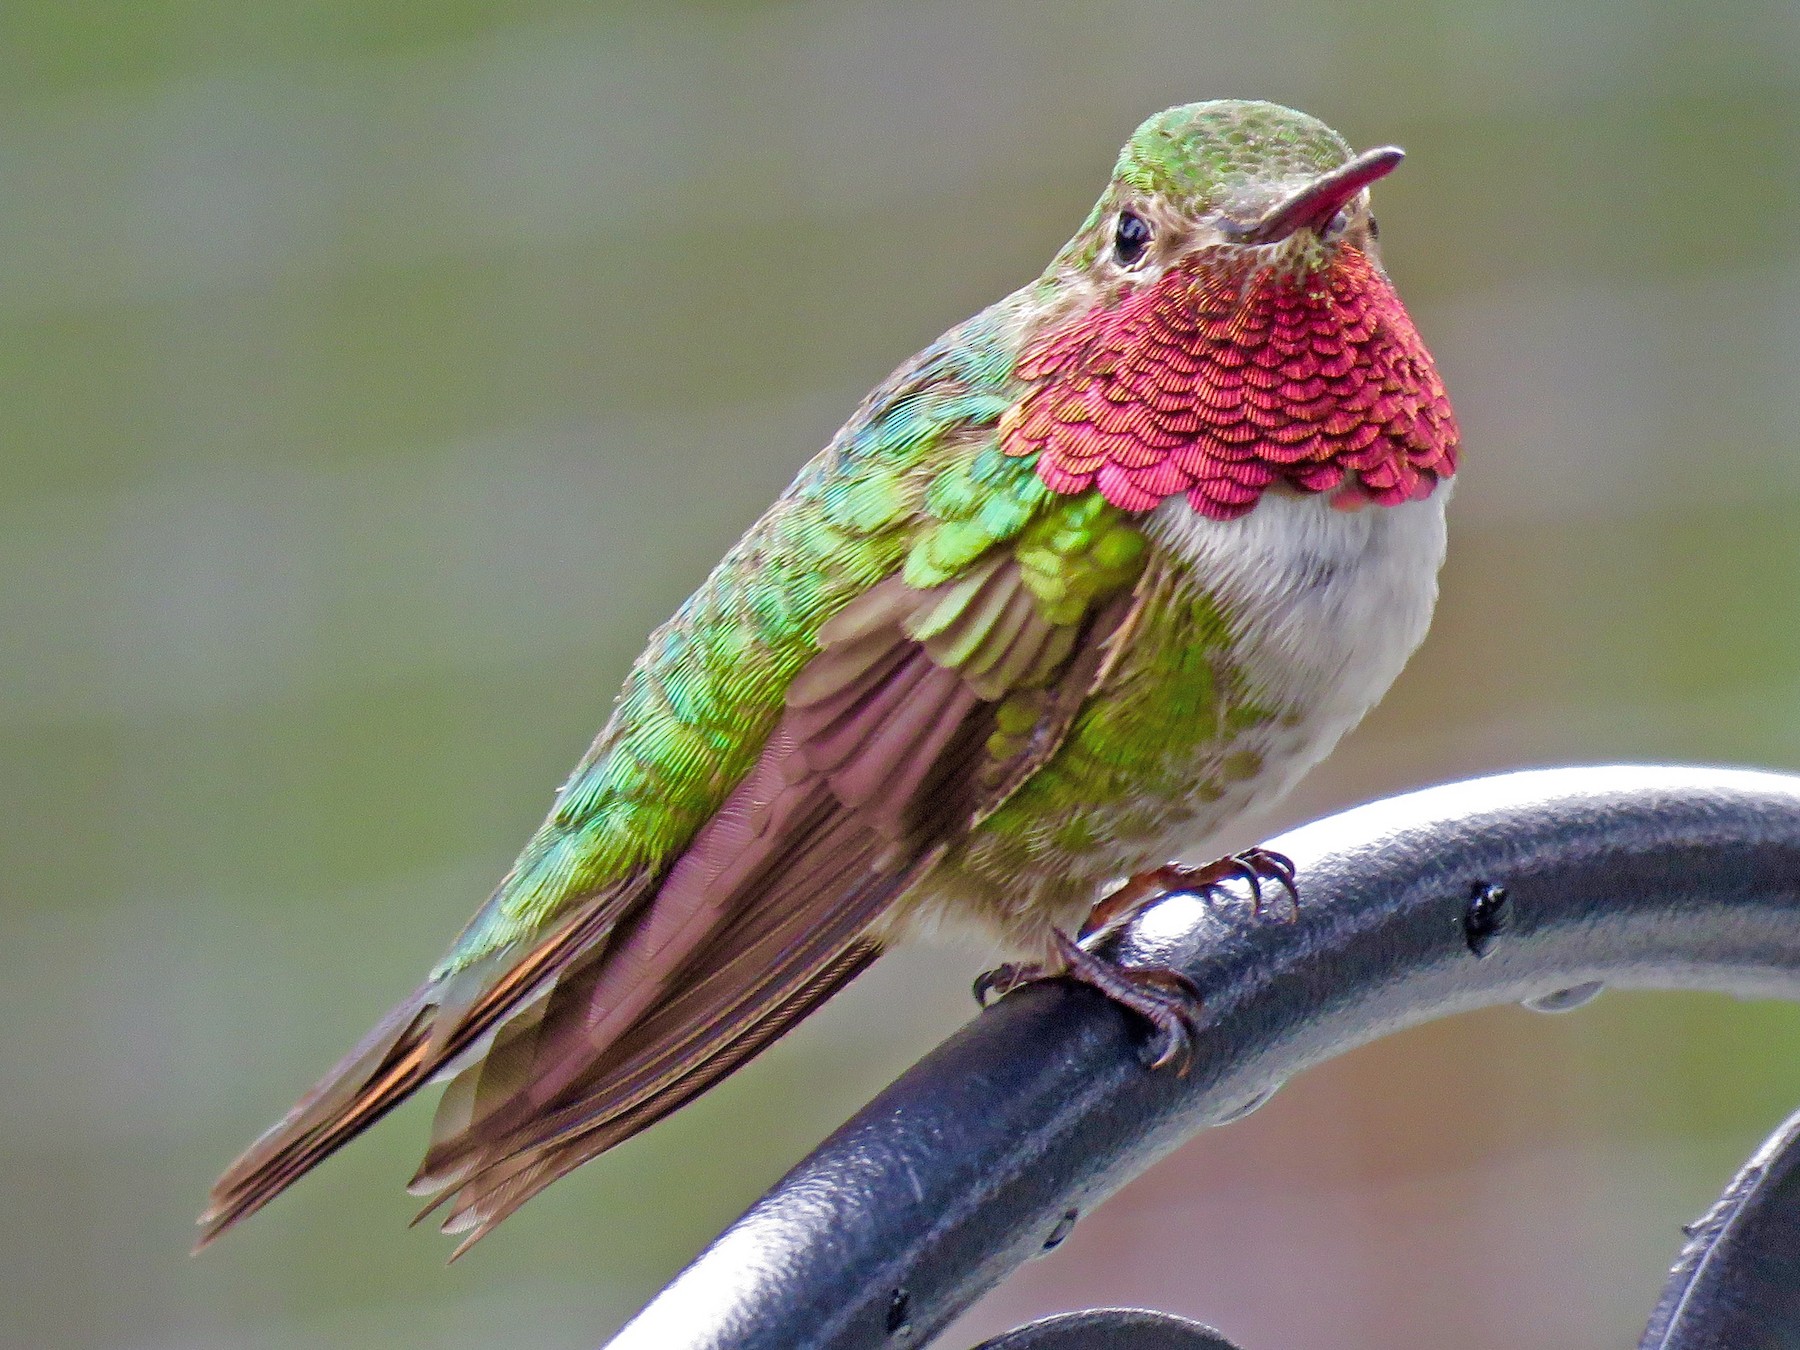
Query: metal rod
1737	1283
1495	890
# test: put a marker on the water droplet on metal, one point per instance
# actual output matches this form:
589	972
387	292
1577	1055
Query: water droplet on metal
1064	1226
1249	1106
1566	1000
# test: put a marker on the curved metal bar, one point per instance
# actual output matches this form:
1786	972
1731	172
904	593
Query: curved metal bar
1494	890
1111	1329
1737	1284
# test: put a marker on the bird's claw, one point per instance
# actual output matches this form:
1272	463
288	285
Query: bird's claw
1253	866
997	983
1168	1000
1258	865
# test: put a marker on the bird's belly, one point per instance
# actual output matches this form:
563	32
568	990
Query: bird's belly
1261	643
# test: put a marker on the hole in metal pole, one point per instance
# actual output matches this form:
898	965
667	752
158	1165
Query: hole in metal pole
1485	917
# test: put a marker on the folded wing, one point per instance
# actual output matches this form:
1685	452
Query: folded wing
884	755
885	656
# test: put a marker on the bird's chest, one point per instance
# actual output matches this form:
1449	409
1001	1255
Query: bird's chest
1320	608
1259	642
1317	611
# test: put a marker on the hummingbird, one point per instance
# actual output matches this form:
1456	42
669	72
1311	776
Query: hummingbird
1081	583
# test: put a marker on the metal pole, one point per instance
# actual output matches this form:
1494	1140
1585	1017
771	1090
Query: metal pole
1500	889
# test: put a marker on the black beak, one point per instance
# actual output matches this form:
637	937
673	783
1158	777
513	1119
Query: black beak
1313	206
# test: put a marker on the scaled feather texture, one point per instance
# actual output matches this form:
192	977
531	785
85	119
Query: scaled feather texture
1220	380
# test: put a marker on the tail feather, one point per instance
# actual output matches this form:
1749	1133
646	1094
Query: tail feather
490	1194
436	1024
479	1090
364	1086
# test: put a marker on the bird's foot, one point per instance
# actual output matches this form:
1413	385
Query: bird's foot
1254	866
1164	998
1168	1000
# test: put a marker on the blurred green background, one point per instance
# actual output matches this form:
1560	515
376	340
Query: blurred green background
374	375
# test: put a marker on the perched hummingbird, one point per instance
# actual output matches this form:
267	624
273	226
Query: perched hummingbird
1106	565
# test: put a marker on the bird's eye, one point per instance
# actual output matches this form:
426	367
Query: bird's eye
1131	238
1338	224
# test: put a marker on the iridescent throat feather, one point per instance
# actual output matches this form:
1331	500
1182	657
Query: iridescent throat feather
1222	381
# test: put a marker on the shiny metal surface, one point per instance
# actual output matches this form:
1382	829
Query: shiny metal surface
1509	888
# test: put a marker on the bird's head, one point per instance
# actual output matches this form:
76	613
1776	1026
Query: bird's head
1226	184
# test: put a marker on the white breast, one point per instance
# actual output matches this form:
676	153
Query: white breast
1326	607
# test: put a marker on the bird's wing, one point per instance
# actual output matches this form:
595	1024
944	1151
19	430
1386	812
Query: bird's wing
883	658
890	747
